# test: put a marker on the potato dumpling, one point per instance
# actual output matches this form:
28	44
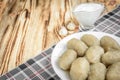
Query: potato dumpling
66	59
79	69
109	43
111	57
97	72
79	46
113	72
94	53
90	40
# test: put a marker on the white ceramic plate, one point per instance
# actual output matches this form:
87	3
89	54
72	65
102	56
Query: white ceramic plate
61	47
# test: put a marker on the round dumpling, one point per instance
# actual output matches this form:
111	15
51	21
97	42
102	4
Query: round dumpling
66	59
94	53
79	69
111	57
97	72
114	72
90	40
109	43
79	46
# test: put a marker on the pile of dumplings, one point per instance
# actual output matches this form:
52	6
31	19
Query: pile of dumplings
89	58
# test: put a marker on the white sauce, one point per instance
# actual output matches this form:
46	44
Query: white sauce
88	7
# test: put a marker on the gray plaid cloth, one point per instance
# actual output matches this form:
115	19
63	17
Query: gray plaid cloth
39	67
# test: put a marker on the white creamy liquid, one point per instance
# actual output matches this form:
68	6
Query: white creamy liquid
88	7
88	13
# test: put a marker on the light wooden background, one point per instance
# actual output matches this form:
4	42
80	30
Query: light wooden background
29	26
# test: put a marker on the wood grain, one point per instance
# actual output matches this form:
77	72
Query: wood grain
29	26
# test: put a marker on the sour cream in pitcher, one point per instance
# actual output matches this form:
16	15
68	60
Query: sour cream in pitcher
88	13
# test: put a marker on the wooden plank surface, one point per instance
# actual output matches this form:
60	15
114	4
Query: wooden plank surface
29	26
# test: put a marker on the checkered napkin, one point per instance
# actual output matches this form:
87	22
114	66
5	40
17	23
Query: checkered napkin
40	68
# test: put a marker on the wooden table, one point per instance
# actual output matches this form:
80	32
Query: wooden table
29	26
